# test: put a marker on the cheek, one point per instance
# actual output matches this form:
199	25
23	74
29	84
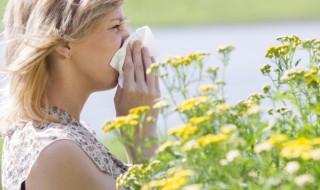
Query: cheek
98	50
105	51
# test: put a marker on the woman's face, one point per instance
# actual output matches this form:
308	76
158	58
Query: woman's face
91	56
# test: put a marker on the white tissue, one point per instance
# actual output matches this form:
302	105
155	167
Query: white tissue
143	34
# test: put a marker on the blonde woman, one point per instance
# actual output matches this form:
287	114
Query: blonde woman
57	54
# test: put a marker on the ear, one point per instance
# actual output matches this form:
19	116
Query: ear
64	51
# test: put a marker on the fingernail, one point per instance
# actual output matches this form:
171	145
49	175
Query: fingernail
145	50
153	60
137	43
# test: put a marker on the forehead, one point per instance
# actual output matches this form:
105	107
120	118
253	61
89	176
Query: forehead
115	15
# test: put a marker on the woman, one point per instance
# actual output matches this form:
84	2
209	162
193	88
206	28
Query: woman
58	53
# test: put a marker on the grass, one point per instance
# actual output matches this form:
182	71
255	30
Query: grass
191	12
2	7
1	144
186	12
115	147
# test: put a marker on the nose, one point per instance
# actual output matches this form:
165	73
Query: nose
125	35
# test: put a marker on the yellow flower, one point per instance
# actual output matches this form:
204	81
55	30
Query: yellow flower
226	49
153	184
183	131
139	110
299	148
177	61
174	183
316	141
292	40
277	51
314	71
135	168
190	145
197	56
213	70
161	105
177	179
191	103
205	88
227	129
310	77
151	165
153	68
198	120
129	120
269	143
210	138
277	138
169	59
167	144
222	108
244	106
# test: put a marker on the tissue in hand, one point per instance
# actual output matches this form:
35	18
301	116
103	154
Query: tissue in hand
143	34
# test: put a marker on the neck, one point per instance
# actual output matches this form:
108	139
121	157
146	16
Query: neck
67	94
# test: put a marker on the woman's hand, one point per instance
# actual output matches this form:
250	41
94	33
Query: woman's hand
139	89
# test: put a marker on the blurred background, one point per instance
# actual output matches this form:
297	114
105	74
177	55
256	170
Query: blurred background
184	26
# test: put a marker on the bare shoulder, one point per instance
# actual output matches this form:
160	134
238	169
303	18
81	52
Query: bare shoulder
64	165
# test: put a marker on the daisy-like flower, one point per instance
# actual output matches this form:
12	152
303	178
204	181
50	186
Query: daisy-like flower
292	167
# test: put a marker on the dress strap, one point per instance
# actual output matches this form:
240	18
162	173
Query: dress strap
23	185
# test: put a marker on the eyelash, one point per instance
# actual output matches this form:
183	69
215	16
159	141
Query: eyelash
118	27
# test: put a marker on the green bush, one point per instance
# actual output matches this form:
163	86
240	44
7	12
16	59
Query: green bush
241	146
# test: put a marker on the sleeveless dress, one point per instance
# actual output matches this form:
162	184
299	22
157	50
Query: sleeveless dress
22	147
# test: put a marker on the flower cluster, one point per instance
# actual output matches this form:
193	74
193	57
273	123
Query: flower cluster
277	51
177	61
235	146
192	103
177	178
123	121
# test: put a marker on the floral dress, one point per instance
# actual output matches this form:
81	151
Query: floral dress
22	147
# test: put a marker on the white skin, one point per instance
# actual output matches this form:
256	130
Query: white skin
72	80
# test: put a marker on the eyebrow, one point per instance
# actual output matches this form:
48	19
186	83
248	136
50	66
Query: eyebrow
121	18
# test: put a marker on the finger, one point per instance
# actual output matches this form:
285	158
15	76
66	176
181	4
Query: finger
137	62
128	69
153	60
150	79
157	84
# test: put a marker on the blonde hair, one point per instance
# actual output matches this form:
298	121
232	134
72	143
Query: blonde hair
32	30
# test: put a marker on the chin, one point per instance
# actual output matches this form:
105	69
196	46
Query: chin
114	85
110	84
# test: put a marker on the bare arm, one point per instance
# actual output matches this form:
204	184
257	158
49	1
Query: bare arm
64	165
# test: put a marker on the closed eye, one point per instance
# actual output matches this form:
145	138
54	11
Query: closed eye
118	26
